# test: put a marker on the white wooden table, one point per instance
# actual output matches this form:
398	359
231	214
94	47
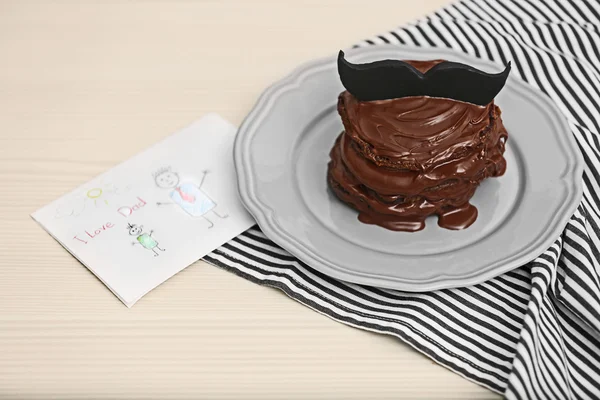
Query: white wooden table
87	84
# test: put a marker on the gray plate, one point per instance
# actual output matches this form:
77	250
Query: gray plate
281	155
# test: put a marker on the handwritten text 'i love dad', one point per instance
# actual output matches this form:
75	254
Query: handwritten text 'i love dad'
125	211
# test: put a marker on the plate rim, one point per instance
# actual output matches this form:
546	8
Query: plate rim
266	217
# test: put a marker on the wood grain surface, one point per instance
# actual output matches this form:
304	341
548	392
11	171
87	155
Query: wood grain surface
87	84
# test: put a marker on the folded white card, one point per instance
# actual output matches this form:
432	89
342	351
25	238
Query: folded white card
148	218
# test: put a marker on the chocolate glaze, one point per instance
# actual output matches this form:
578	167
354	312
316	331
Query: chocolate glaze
401	160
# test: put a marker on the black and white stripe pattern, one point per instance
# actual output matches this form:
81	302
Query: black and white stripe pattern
533	333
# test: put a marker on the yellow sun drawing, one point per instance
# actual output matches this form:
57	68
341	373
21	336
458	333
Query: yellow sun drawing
98	195
95	194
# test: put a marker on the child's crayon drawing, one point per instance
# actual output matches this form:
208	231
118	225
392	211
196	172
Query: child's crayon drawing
146	240
189	196
90	198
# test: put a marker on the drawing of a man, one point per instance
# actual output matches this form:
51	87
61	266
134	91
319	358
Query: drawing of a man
190	197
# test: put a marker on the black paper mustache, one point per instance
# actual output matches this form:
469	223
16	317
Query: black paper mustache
391	79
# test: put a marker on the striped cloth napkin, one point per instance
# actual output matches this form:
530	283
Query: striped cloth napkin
533	333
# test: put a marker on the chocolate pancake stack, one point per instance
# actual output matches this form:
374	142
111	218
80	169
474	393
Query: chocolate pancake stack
402	159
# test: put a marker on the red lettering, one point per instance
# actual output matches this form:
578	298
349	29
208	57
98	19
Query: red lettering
125	211
76	238
97	231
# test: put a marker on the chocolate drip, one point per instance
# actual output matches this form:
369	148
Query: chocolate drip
399	161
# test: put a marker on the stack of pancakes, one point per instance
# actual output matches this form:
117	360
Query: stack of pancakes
400	160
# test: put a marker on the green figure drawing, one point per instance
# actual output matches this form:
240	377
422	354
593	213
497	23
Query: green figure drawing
144	239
